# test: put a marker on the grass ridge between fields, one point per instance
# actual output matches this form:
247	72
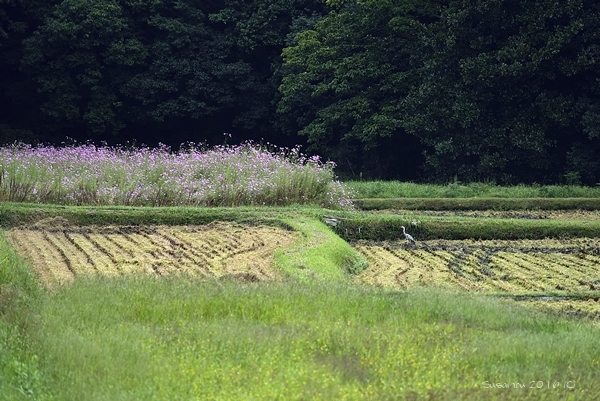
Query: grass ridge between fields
478	203
380	227
353	225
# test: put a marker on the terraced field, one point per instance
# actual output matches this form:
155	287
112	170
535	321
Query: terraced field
60	252
563	275
557	274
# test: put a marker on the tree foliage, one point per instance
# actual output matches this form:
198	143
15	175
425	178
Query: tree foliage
346	79
507	88
114	66
431	90
494	89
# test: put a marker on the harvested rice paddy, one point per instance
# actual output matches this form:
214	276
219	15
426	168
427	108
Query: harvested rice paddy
59	252
557	274
561	275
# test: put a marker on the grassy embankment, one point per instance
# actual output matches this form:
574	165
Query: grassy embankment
387	206
180	339
313	336
396	189
379	195
148	338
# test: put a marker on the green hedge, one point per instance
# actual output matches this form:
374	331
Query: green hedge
388	227
18	214
479	204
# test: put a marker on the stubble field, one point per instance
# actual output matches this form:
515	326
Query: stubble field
59	251
562	275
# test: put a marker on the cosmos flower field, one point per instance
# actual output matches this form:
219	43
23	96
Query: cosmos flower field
196	175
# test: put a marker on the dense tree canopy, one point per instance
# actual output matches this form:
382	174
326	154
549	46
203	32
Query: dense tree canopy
346	80
169	70
508	89
430	90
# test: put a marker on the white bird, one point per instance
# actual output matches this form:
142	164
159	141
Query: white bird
331	221
409	238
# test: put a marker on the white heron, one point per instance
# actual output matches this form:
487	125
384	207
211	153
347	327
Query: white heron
409	238
331	221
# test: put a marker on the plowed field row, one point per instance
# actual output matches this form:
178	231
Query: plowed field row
512	266
216	249
515	267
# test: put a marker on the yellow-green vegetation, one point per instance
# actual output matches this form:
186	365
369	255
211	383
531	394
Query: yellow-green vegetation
150	338
304	318
320	254
59	251
557	274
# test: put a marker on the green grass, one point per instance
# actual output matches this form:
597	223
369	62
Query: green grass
478	204
314	335
397	189
320	255
147	338
20	295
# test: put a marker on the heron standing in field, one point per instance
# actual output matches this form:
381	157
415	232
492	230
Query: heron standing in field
409	238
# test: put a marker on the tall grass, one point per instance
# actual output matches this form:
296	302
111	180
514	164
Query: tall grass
397	189
20	293
178	338
246	174
144	338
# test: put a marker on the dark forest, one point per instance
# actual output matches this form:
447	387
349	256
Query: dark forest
502	91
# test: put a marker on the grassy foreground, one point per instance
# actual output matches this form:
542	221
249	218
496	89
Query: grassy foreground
397	189
313	337
183	340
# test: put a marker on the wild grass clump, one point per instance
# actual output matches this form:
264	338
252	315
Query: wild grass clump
145	338
397	189
247	174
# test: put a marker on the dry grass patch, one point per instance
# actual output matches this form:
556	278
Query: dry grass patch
534	267
59	251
